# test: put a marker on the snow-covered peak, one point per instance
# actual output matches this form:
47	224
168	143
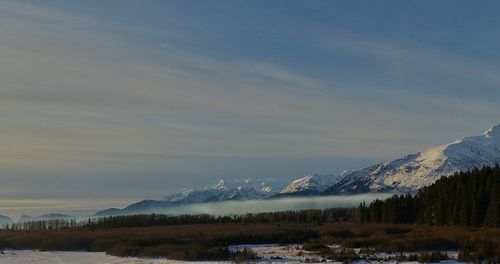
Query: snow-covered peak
175	197
219	186
415	171
247	183
312	183
245	189
494	131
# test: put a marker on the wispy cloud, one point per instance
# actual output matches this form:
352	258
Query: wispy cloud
86	104
414	55
274	72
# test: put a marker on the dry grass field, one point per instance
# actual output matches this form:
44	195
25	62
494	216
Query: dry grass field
210	241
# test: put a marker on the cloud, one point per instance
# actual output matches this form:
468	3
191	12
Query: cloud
416	56
280	74
85	103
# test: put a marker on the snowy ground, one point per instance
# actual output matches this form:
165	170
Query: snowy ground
269	253
279	253
295	254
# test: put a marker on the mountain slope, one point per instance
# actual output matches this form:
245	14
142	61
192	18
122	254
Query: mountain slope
415	171
311	184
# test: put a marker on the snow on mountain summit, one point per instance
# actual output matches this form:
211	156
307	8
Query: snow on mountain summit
247	183
312	183
494	131
223	190
417	170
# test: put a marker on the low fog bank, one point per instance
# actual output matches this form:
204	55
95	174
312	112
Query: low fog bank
271	205
239	207
77	208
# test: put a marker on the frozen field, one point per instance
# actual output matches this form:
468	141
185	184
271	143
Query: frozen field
289	254
29	256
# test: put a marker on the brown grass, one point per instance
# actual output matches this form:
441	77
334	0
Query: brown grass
209	241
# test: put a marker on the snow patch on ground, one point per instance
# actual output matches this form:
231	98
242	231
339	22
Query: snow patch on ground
294	253
279	253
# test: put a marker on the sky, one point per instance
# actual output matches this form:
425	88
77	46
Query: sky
122	100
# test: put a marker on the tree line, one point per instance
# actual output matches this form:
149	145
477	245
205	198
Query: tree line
465	199
145	220
46	224
302	216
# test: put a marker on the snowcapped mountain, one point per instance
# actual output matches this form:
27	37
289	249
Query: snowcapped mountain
247	189
415	171
313	183
408	173
235	190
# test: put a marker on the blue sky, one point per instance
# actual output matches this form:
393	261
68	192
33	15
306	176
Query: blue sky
136	99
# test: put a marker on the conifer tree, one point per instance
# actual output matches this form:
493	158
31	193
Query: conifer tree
492	217
466	198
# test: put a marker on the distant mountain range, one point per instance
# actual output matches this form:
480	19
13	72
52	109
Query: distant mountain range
236	190
246	189
406	174
51	216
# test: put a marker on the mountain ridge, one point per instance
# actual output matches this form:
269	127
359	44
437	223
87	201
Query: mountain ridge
223	190
421	169
403	175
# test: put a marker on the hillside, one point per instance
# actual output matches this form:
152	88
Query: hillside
418	170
